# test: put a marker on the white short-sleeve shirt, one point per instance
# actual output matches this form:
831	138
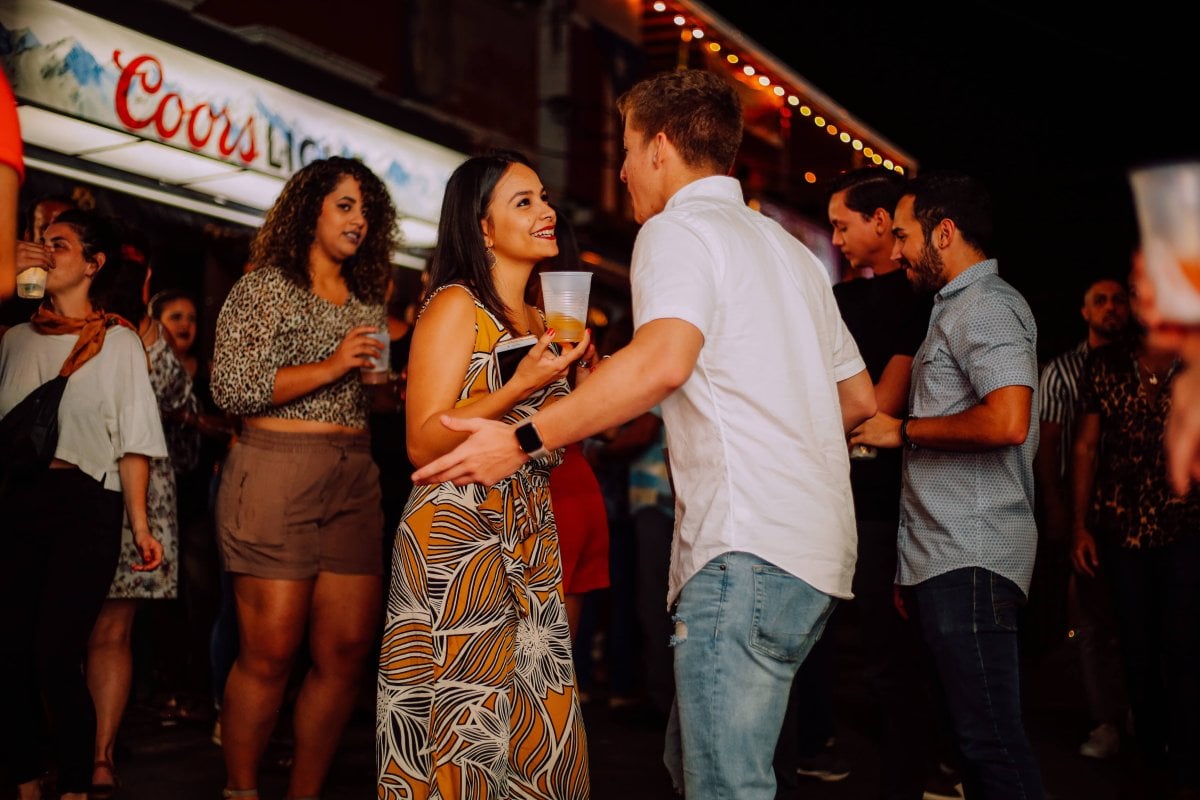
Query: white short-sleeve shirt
757	450
108	407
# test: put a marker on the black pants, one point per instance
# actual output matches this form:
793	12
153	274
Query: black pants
898	673
1157	593
62	538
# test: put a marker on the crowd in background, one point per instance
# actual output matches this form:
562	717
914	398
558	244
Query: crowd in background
171	483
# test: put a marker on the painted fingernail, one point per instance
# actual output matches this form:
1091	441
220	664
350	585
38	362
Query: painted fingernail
550	331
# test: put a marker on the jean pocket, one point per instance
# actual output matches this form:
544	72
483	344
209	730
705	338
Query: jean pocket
789	615
1005	603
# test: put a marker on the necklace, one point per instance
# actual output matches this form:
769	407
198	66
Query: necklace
1153	378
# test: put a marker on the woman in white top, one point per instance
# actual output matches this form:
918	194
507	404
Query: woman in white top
64	524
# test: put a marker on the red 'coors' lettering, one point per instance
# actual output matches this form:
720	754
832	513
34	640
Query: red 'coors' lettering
144	74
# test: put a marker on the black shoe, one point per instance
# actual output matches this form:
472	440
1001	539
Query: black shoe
825	766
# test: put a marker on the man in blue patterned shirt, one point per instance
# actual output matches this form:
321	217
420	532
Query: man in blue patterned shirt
967	534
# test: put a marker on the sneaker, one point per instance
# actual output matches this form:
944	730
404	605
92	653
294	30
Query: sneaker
1103	742
943	783
825	766
941	786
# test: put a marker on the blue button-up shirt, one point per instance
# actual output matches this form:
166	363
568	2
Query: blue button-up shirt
971	509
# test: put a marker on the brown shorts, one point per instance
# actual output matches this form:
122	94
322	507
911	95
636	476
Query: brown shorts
295	504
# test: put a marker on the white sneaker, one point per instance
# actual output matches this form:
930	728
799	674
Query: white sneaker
1103	742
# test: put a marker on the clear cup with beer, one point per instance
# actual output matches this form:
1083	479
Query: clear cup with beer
565	301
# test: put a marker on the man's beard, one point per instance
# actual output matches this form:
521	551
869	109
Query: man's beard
926	273
1110	329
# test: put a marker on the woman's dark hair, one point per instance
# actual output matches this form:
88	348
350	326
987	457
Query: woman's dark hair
953	195
97	233
160	300
286	236
460	255
117	287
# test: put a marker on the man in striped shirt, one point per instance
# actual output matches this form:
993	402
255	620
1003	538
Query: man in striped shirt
1106	312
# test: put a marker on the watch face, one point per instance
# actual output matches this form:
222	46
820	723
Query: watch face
528	437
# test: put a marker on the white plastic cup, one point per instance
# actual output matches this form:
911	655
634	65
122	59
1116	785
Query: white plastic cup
1167	201
377	373
31	283
565	297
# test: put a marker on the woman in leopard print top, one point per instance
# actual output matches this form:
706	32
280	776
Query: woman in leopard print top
298	514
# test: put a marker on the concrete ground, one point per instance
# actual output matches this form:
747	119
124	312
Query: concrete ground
178	760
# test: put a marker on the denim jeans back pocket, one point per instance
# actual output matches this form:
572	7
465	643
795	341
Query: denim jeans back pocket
789	615
1006	602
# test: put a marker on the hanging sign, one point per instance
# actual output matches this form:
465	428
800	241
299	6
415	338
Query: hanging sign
69	61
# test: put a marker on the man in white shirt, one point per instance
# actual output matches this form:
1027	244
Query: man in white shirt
739	337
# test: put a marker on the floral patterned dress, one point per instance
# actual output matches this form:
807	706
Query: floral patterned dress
173	388
477	695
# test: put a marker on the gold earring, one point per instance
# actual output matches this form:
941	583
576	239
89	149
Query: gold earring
490	256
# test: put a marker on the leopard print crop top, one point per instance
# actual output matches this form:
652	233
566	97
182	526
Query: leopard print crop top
268	322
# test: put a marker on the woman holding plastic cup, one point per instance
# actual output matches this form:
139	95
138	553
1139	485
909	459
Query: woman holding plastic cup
299	519
63	523
477	692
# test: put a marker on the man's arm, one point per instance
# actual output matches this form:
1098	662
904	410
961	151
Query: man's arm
659	360
10	186
1001	419
1182	433
891	393
1047	472
1083	478
857	398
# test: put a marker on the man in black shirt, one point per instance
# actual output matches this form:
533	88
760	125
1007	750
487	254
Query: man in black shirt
888	321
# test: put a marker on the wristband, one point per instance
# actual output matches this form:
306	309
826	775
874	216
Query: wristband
907	442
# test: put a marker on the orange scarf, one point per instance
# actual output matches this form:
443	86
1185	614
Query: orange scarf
91	330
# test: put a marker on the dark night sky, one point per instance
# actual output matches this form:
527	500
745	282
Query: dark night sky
1049	106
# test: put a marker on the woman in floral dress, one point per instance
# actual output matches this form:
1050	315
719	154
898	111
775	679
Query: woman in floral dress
477	695
110	655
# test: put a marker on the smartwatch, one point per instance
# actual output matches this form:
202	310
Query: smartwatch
530	440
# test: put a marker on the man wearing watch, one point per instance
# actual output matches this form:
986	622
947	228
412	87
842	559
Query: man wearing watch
764	534
967	534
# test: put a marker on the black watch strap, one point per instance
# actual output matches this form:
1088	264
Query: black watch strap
907	442
530	440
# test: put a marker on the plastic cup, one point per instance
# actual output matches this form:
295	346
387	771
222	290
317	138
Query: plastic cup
1167	200
565	297
378	371
31	283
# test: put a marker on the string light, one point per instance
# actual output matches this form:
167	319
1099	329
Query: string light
694	31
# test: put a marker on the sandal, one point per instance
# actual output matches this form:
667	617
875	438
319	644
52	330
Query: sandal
103	791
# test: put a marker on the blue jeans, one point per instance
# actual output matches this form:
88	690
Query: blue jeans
968	617
742	628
